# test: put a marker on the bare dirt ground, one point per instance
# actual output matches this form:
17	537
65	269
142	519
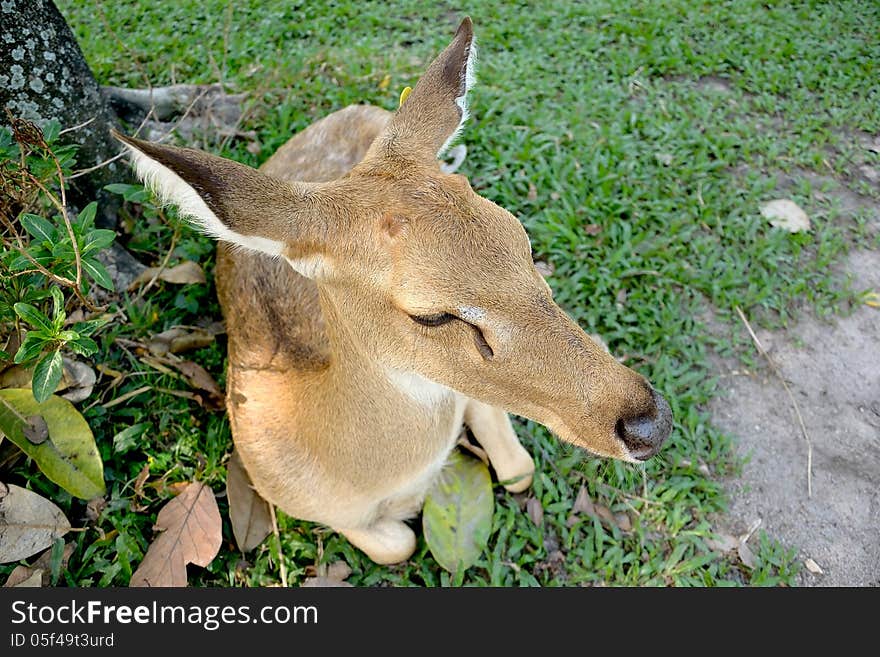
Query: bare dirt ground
833	370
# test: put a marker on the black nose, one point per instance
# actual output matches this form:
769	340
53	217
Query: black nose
645	434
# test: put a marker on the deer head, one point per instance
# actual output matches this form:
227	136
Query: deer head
434	283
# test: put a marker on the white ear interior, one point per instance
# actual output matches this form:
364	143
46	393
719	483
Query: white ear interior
470	79
173	190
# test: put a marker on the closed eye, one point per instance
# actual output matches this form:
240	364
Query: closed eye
438	319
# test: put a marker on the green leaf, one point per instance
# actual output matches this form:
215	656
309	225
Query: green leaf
69	457
38	227
33	317
31	347
89	327
97	240
51	130
47	375
133	193
86	218
98	273
58	314
127	439
84	346
457	517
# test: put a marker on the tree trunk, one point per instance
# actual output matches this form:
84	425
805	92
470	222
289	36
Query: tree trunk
44	76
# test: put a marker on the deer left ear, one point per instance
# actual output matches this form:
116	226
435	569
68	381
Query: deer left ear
432	115
237	204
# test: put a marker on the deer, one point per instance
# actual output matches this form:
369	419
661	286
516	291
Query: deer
376	304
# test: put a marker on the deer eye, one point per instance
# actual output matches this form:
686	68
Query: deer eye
433	320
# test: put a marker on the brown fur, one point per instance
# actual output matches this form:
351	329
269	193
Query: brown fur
344	408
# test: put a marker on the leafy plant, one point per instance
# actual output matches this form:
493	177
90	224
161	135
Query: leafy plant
49	265
44	251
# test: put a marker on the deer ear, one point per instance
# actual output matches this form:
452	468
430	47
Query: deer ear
432	115
233	202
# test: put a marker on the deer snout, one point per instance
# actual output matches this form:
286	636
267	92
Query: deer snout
644	434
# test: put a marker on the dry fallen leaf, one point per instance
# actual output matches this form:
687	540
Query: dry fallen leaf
187	272
746	555
533	192
179	339
41	567
332	575
24	577
535	510
544	268
198	378
813	567
722	542
78	380
605	514
623	521
663	158
29	523
324	582
249	513
592	229
190	527
787	215
583	503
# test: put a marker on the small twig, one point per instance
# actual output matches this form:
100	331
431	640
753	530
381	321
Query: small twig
128	395
794	403
74	128
277	535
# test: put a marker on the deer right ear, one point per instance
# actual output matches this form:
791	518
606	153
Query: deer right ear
432	115
235	203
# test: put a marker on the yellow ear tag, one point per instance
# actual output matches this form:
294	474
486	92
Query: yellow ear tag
404	95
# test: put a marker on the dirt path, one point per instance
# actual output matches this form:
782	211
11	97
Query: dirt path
833	370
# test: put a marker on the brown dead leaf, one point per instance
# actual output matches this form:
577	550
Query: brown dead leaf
583	503
139	482
187	272
94	508
813	567
592	229
178	339
78	380
535	510
323	582
198	378
190	527
746	555
533	192
623	521
25	577
332	575
786	214
249	513
544	268
31	523
604	514
722	542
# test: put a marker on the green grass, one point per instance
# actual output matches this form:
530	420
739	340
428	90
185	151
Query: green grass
661	124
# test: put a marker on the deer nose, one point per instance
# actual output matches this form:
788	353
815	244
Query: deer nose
643	435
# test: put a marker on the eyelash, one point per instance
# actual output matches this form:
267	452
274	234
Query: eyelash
444	318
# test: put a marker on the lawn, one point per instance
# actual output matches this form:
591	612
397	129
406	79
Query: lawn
635	141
